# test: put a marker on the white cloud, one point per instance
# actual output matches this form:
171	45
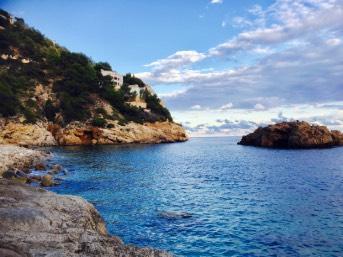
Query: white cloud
239	121
173	94
196	107
298	18
216	1
259	106
295	48
177	60
226	106
334	41
280	118
301	74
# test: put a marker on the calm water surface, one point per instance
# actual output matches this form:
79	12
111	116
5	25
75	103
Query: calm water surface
244	201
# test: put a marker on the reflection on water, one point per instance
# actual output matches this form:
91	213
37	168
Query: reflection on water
240	200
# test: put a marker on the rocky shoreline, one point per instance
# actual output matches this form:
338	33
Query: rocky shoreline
13	131
293	135
35	222
19	158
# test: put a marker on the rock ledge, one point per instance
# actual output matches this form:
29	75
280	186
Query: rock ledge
76	133
35	222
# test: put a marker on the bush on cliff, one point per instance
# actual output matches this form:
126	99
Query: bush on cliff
8	101
50	110
130	79
154	104
99	122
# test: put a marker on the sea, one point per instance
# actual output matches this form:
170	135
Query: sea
212	197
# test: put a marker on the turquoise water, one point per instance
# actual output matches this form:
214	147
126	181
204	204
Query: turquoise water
243	201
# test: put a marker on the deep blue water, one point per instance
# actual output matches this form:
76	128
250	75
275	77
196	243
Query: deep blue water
244	201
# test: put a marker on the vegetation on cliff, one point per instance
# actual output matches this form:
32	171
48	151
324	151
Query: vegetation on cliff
70	85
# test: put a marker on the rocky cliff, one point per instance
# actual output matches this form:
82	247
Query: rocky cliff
35	222
51	96
293	135
48	134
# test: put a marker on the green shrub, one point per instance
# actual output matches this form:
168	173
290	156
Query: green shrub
130	79
74	108
50	110
99	122
30	115
154	104
101	111
8	101
102	66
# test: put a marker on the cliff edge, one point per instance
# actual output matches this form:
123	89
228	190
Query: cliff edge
293	135
76	133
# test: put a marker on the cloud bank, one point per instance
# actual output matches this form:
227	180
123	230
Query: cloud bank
286	54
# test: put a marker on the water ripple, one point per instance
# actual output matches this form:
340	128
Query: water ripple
241	201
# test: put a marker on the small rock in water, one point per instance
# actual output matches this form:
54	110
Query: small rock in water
47	181
56	168
175	215
40	166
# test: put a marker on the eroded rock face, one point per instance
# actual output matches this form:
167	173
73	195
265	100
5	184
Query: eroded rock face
159	132
44	134
25	134
293	135
35	222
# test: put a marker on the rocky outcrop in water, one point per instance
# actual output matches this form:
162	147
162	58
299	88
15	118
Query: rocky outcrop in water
35	222
293	135
45	134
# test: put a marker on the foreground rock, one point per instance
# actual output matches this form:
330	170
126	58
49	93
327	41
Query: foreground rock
35	222
44	134
293	135
15	157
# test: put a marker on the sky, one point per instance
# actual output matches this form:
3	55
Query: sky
222	67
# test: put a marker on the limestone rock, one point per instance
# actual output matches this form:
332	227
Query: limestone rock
15	157
40	166
55	169
35	222
76	133
47	181
293	135
18	133
159	132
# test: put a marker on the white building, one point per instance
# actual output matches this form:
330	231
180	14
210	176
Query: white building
117	78
138	101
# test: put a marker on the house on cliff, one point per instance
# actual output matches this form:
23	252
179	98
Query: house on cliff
117	78
136	90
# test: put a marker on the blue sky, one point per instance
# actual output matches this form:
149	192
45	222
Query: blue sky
223	67
129	33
